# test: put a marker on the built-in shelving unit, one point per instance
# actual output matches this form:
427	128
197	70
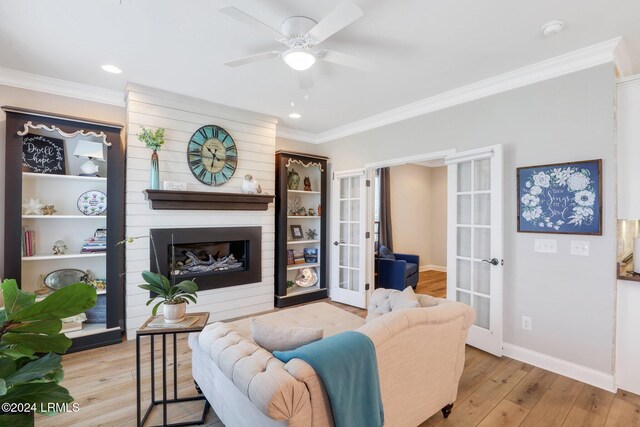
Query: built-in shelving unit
68	224
304	209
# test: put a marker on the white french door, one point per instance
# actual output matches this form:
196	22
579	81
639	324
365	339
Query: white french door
348	267
474	254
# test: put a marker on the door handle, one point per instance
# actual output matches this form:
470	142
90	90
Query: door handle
336	243
492	261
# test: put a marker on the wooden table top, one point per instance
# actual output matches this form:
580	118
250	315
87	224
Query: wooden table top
200	322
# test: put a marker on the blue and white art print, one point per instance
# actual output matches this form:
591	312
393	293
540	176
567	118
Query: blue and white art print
561	198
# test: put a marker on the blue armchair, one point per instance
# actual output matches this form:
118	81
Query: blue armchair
397	271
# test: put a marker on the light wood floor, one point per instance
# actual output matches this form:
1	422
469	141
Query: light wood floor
432	283
493	392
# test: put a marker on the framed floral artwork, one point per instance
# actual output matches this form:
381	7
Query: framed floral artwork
563	198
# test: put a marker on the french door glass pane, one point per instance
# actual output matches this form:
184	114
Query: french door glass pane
464	177
463	297
355	187
344	232
464	242
482	209
344	188
354	256
353	280
344	256
482	243
464	209
463	274
481	277
482	174
481	305
344	278
344	210
355	210
355	233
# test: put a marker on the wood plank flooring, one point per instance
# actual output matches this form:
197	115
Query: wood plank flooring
432	283
492	392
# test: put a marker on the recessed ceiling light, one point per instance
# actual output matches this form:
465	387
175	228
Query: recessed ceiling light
111	69
295	115
552	27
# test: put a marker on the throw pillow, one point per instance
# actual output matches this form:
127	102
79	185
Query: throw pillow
277	337
404	300
427	301
386	253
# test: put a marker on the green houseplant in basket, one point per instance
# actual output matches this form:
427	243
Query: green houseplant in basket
30	350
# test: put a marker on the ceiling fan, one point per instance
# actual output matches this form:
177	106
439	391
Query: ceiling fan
301	35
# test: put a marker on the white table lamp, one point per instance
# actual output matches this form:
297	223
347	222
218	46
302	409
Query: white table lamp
92	151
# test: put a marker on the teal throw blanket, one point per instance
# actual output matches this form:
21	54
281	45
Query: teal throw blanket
347	366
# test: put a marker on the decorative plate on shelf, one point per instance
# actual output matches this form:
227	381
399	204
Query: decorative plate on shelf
306	277
92	202
60	278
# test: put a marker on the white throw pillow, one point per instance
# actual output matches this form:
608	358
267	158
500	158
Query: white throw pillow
282	338
404	300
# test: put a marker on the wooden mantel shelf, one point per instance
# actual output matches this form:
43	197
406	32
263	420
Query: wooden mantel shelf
203	200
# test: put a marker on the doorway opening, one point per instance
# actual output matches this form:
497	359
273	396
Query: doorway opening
410	227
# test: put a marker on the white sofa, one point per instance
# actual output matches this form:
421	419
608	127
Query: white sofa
420	354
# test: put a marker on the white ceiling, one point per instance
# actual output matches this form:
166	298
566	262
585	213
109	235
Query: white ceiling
423	48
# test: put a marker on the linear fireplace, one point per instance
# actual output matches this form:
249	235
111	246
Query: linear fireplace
215	257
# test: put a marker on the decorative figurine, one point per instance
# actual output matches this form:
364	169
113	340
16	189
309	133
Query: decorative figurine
311	212
42	288
59	247
312	234
293	206
302	212
319	210
307	184
32	207
48	210
250	185
293	179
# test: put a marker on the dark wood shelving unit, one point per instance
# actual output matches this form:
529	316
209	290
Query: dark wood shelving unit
316	168
18	119
203	200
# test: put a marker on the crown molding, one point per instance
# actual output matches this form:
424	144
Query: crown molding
296	135
571	62
29	81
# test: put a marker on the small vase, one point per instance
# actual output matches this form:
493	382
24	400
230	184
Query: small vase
174	313
154	177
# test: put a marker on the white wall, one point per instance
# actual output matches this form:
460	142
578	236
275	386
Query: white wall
181	116
56	104
569	118
418	212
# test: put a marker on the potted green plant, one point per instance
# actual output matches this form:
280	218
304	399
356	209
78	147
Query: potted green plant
153	140
173	296
30	350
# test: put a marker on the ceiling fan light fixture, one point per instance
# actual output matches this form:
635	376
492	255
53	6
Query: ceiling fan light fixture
299	59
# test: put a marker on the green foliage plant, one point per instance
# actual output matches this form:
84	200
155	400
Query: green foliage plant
169	292
153	140
31	346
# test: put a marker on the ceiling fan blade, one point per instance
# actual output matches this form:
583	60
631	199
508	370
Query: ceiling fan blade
252	22
305	79
252	58
336	20
347	60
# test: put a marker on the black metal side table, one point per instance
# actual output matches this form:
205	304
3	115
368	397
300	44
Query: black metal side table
148	329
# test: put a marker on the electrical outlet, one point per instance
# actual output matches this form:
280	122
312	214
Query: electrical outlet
580	247
526	323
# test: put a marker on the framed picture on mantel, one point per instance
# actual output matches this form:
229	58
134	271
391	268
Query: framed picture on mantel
561	198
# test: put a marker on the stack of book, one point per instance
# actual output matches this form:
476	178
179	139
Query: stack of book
28	242
97	243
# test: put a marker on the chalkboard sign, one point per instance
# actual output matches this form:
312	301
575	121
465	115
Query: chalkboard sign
561	198
42	154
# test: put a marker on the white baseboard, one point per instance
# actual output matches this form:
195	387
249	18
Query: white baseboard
559	366
433	267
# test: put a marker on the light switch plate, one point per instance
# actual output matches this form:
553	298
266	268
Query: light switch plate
547	246
580	247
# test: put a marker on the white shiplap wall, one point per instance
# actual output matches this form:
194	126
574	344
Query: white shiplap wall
254	135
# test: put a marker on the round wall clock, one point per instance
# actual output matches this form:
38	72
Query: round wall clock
212	155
